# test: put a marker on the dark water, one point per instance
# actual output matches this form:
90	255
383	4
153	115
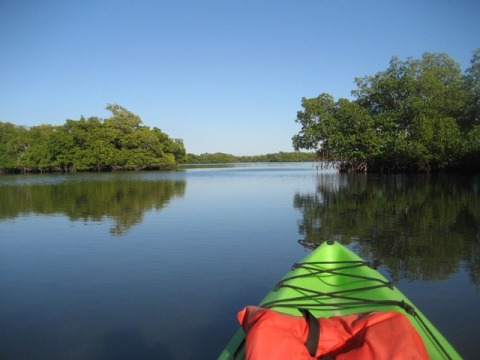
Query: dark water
155	265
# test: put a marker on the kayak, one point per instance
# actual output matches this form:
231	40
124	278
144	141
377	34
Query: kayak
331	282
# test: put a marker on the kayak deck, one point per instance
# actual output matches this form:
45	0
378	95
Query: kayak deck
333	281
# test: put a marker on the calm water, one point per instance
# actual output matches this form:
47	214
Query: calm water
155	265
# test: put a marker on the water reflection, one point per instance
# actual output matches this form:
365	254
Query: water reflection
421	226
122	200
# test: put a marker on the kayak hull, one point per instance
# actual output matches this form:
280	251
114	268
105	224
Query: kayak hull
334	281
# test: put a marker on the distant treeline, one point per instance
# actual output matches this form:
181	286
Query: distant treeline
120	142
418	115
219	157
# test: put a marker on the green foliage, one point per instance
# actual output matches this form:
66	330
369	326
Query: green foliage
208	158
419	114
12	145
228	158
472	86
120	142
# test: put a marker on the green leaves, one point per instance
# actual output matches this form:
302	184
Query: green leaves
418	114
313	119
119	142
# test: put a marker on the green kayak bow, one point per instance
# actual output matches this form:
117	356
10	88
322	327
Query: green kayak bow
334	281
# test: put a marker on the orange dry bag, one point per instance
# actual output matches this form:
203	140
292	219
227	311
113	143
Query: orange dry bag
271	335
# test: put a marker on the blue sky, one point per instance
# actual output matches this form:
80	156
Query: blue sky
224	76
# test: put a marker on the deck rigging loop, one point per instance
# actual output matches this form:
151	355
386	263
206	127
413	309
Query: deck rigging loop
314	270
317	299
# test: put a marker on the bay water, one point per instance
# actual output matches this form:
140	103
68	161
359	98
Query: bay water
155	265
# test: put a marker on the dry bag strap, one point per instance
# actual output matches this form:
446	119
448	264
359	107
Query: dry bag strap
313	332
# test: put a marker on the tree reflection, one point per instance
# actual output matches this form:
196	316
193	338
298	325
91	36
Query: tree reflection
420	226
123	201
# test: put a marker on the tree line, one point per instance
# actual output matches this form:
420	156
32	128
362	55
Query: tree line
219	157
417	115
120	142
